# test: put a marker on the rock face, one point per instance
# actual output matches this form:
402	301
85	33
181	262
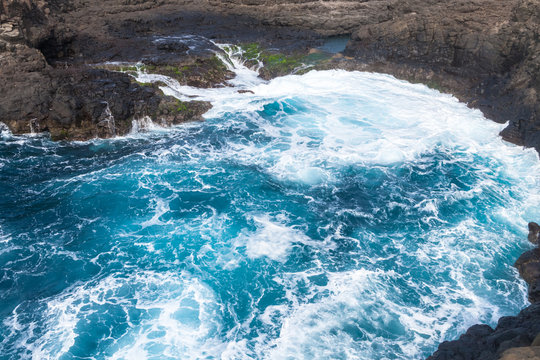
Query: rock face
481	342
44	88
528	265
45	46
331	17
486	52
88	103
515	337
534	232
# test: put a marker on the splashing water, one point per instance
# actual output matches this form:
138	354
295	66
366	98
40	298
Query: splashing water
333	215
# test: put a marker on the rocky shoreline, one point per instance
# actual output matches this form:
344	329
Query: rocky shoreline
485	52
62	70
514	337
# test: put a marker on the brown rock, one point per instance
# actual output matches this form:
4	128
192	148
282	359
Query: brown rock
522	353
528	265
536	341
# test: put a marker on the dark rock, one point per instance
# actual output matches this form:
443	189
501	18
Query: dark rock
172	46
528	265
514	336
83	103
534	232
202	72
482	342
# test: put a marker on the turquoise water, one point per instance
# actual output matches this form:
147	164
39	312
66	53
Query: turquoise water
332	215
335	44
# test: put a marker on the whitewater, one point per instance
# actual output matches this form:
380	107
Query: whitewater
330	215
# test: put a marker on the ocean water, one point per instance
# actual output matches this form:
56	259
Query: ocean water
333	215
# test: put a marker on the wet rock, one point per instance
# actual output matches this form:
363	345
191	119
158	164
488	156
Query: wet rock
202	72
534	232
85	103
172	46
528	265
481	342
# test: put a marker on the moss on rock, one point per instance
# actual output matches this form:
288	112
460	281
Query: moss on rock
277	63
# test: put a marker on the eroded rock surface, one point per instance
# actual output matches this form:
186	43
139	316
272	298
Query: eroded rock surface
528	265
41	91
486	52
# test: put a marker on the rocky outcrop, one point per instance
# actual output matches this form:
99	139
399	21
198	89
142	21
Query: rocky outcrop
515	337
528	265
88	103
49	51
484	52
46	86
481	342
534	232
335	17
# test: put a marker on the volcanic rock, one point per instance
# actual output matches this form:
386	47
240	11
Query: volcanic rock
534	232
481	342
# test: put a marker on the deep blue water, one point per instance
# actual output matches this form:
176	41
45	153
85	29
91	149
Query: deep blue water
370	219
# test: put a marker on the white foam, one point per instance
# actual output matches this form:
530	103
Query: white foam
179	317
4	238
161	208
143	125
272	239
227	96
375	120
5	133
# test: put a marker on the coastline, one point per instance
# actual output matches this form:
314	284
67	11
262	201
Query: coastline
514	337
483	52
46	52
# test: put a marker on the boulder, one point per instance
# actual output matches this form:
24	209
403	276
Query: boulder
534	232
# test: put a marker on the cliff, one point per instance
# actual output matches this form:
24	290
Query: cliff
486	52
